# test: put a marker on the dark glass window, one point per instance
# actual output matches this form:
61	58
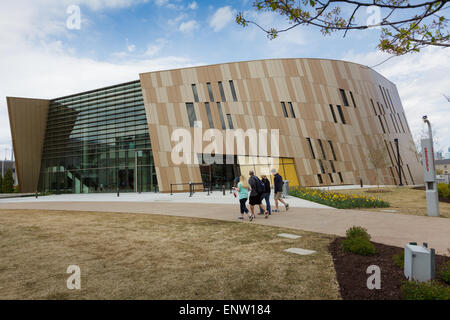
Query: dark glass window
222	92
194	91
222	120
311	147
208	113
210	91
283	106
333	114
340	177
344	97
353	99
341	114
233	90
292	109
332	167
322	149
373	106
191	114
322	168
230	121
331	177
320	179
381	122
332	149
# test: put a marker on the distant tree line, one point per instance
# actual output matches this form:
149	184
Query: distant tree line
7	182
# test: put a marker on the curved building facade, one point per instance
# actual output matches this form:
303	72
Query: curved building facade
338	123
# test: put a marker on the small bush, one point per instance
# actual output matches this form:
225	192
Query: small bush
399	260
444	190
358	245
412	290
355	232
445	273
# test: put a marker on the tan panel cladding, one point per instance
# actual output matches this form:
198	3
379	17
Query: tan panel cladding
28	120
311	85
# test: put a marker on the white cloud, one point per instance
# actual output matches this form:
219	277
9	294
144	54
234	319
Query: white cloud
188	26
154	48
221	18
421	79
193	5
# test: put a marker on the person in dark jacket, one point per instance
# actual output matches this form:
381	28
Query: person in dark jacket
278	190
255	196
266	194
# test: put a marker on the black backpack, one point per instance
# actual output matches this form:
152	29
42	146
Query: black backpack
260	187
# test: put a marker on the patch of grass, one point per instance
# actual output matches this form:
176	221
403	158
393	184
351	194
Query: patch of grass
413	290
444	273
139	256
338	200
405	200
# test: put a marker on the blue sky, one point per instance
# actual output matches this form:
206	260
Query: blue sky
40	57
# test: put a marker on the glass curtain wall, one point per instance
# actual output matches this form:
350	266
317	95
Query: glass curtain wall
97	142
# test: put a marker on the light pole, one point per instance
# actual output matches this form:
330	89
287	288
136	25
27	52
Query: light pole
430	173
398	162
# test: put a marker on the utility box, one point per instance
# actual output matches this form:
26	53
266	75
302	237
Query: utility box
285	188
419	263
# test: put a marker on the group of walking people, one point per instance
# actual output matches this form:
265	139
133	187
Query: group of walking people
256	190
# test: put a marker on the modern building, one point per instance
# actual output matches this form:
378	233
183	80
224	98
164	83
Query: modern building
337	123
443	166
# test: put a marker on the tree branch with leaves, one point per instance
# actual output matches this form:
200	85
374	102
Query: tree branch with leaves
406	26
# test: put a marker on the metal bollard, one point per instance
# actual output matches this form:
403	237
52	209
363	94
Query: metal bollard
361	182
223	189
171	193
118	191
36	194
190	189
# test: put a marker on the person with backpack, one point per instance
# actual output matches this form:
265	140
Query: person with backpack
257	189
242	191
266	194
278	190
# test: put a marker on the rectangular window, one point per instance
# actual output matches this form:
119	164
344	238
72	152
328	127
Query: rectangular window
191	114
333	114
331	177
320	179
222	120
322	149
208	112
353	99
322	168
379	108
381	122
311	147
211	95
283	105
230	121
222	92
194	91
233	90
340	177
332	167
292	109
373	106
344	97
341	114
332	149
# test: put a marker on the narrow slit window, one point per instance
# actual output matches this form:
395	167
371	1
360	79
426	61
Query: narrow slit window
230	121
311	147
208	112
332	149
233	90
222	120
340	177
283	106
191	114
344	97
324	156
381	122
292	109
194	91
341	114
331	177
353	99
373	106
210	91
222	92
322	168
320	179
333	114
332	167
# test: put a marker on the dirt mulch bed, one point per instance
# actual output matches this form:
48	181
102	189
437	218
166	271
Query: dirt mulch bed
351	272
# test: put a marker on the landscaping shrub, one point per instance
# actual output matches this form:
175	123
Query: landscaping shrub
338	200
355	232
358	245
444	190
399	260
412	290
445	273
8	182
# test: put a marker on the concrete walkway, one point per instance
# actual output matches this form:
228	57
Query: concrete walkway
389	228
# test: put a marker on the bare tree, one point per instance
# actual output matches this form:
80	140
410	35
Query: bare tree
377	157
406	26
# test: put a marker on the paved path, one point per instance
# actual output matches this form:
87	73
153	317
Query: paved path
389	228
